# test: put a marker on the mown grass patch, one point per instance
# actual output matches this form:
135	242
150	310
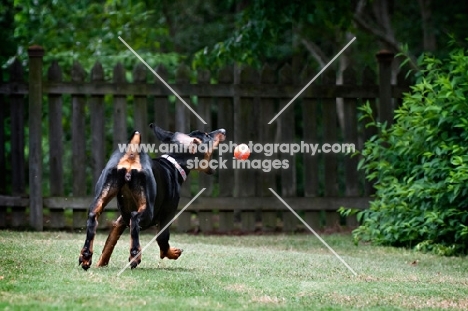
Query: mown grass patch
39	271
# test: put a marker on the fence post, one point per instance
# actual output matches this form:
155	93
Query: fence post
35	54
385	59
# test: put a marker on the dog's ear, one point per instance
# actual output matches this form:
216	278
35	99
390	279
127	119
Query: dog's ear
163	135
190	143
184	139
193	145
196	141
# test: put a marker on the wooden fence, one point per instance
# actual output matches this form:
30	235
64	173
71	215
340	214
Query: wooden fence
60	188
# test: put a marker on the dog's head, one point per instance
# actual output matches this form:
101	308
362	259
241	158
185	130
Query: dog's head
196	144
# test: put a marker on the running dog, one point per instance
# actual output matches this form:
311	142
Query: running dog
147	190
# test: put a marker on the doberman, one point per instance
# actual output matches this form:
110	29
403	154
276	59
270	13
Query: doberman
147	190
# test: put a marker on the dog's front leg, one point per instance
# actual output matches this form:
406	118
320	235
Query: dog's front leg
165	250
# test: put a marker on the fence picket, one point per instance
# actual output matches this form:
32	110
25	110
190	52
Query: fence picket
350	135
120	108
310	119
17	112
161	103
226	121
287	125
205	181
78	145
204	110
267	136
226	176
98	150
57	219
96	103
182	118
386	106
368	79
36	207
404	82
245	130
330	137
3	186
140	107
309	134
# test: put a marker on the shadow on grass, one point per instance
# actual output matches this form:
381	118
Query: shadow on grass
143	269
172	269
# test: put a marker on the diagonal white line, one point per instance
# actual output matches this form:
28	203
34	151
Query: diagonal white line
312	230
162	80
160	231
316	76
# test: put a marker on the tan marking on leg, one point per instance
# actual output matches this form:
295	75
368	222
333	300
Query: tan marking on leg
107	194
114	235
142	204
172	253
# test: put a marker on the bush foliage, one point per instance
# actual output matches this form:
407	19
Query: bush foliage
420	164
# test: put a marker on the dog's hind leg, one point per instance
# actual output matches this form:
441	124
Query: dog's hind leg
135	248
106	189
116	231
135	219
143	194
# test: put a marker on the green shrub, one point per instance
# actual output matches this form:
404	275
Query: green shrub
420	164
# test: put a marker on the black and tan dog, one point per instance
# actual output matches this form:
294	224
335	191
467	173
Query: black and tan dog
147	190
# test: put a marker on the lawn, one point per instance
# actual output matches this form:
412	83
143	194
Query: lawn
39	271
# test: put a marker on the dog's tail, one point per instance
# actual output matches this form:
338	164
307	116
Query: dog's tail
130	159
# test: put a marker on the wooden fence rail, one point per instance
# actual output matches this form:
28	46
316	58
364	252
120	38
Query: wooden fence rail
88	116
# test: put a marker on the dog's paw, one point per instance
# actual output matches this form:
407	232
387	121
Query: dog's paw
172	253
102	263
85	259
136	259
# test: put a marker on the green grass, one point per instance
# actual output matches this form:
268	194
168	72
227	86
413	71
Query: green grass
39	271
